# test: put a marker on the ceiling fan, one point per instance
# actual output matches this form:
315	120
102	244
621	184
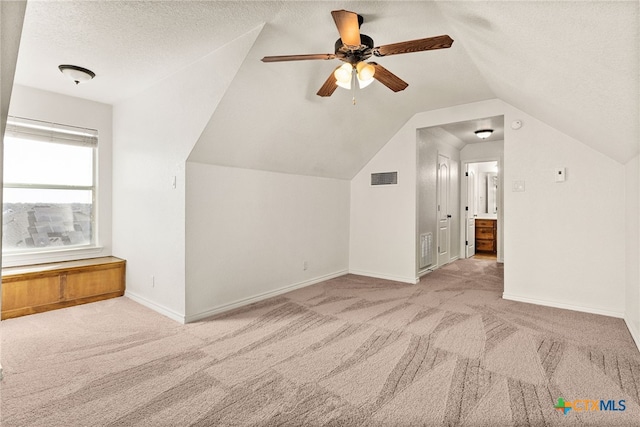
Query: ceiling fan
354	48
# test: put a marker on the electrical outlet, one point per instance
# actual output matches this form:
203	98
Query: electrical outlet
305	265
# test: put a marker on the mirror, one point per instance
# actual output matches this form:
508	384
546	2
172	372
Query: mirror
485	192
492	193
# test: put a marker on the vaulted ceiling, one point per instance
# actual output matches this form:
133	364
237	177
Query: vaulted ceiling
573	65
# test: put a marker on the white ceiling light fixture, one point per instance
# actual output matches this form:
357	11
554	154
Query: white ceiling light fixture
75	73
343	75
484	133
363	74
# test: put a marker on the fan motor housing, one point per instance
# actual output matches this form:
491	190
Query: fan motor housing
353	55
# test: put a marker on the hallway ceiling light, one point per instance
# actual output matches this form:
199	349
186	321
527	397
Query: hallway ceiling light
484	133
77	74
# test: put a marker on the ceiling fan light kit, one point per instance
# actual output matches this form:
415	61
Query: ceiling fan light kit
346	74
343	75
354	49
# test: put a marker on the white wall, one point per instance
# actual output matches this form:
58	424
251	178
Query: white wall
562	242
382	235
154	132
46	106
250	232
11	19
632	232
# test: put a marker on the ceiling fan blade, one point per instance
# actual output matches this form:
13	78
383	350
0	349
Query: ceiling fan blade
348	26
430	43
388	79
298	57
329	86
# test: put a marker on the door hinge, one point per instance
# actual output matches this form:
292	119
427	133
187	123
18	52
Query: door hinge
466	208
466	174
466	242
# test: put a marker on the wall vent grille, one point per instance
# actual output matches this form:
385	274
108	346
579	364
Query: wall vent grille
384	178
426	250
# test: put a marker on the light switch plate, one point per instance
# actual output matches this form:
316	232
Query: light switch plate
518	186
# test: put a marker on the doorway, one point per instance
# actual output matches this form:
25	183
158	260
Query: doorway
444	191
481	209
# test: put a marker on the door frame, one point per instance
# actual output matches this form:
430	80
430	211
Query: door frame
500	194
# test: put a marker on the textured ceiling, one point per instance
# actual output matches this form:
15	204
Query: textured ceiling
130	45
573	65
293	130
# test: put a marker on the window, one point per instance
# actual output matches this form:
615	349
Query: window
49	187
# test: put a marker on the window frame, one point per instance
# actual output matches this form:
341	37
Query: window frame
58	253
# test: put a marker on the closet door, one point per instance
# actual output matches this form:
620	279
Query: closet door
443	213
470	213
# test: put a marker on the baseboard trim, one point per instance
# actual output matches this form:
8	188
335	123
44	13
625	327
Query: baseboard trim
155	307
635	334
410	280
556	304
256	298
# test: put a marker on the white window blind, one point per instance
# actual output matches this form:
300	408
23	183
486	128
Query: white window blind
35	130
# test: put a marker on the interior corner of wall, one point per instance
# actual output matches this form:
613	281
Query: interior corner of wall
633	330
159	308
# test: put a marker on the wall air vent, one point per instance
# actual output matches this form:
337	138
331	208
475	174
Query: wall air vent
384	178
426	250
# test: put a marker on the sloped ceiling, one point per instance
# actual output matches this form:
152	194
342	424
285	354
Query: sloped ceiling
571	64
272	119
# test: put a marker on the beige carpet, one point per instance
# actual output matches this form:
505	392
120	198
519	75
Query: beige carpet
351	351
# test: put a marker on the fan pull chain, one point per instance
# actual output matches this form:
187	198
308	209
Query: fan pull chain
354	82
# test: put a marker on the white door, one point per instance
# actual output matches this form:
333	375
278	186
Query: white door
444	216
470	216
